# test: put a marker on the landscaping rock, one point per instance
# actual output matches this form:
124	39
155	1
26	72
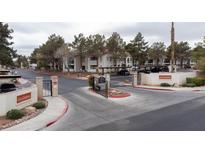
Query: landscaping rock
30	109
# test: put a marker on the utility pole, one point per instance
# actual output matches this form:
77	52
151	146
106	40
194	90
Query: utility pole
172	48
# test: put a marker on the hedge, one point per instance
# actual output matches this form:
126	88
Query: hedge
165	85
196	80
14	114
39	105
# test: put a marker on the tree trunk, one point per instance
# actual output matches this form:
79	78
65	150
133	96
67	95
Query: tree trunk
97	71
133	61
81	63
181	64
157	62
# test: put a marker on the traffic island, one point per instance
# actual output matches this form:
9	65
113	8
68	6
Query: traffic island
113	93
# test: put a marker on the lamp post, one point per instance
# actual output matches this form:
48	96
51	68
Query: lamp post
172	48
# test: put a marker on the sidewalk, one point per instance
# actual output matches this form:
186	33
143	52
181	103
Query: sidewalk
202	88
56	108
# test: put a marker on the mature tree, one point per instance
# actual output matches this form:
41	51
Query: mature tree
201	64
79	44
116	46
22	61
6	51
62	53
182	52
138	49
95	45
157	51
198	55
198	52
45	54
33	57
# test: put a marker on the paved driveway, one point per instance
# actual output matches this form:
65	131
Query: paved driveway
89	111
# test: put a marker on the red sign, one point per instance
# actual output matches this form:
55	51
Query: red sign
23	97
165	77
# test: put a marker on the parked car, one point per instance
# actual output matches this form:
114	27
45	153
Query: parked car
164	69
135	68
187	66
144	70
123	72
156	69
7	87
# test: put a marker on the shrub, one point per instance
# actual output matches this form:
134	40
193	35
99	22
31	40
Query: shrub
91	81
196	80
39	105
189	85
14	114
165	85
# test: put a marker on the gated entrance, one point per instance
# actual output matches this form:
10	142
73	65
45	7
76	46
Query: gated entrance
47	88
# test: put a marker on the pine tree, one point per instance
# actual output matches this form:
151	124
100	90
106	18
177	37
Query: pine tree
6	51
138	49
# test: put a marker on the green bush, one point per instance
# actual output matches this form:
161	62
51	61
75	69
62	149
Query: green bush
91	81
39	105
196	80
14	114
165	85
189	85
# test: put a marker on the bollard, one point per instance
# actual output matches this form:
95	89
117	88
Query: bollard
39	84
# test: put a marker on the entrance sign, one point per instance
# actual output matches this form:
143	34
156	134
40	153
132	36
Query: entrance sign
165	77
23	97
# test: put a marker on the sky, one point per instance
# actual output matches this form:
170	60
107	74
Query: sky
29	35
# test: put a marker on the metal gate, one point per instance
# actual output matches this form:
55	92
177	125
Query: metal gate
47	88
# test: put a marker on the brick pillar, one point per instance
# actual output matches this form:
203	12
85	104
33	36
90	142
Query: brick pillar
39	83
54	80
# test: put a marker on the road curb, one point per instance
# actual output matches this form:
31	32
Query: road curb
125	95
160	89
65	110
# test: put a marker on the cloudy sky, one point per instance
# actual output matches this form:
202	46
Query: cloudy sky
28	36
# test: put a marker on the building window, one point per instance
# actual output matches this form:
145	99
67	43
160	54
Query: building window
93	66
70	60
128	60
93	58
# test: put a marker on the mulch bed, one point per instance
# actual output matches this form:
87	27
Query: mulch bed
6	123
113	93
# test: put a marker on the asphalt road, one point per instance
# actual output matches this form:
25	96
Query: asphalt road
144	110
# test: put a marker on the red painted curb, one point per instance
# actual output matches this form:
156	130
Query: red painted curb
122	96
156	89
62	114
